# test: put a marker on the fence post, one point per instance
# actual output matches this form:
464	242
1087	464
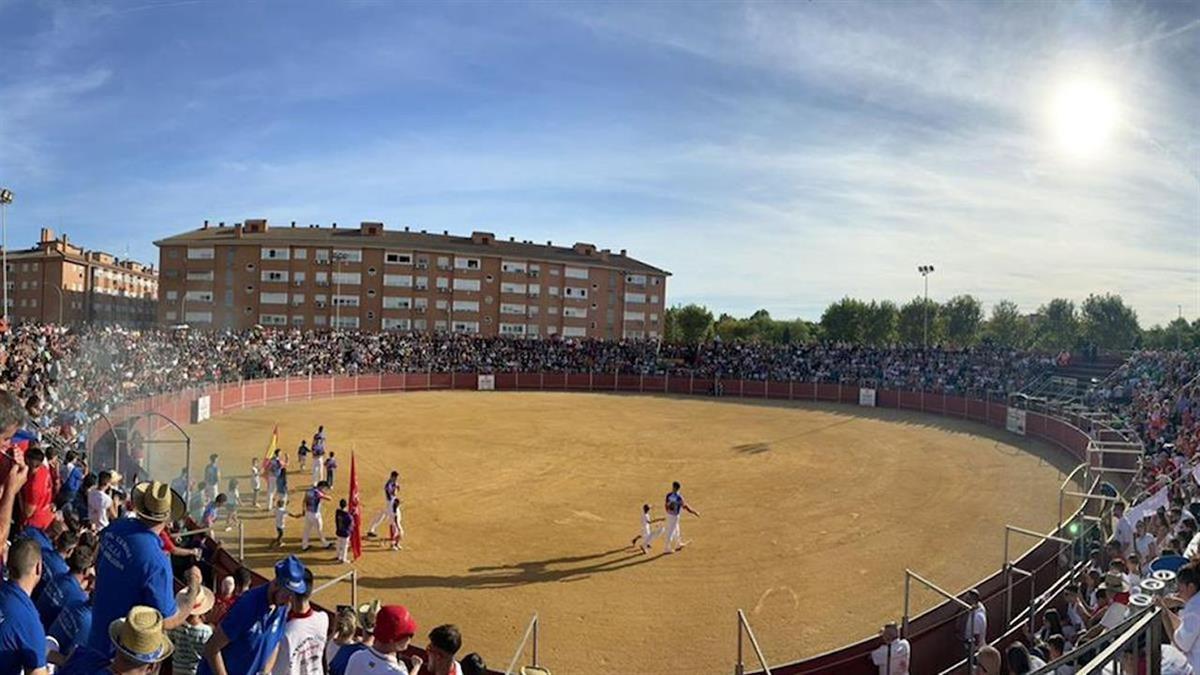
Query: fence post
642	383
354	588
241	540
591	380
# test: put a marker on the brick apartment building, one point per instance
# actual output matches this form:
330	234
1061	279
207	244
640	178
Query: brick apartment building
372	278
57	281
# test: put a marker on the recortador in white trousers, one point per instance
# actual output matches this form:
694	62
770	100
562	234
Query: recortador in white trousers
381	517
312	523
673	536
343	543
649	535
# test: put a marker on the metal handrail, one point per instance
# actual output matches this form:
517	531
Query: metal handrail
532	629
352	575
744	628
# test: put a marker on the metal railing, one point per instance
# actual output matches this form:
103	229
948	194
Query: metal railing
909	575
352	575
1138	638
530	631
744	630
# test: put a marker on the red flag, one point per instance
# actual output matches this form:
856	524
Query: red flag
355	512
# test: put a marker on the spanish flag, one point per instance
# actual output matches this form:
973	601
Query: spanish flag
271	448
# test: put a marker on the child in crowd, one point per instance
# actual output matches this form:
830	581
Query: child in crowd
302	454
190	638
394	526
281	514
235	500
330	467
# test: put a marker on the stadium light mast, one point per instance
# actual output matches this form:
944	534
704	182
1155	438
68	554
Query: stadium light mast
6	198
925	271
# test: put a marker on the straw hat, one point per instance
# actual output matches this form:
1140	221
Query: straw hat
367	614
157	502
139	635
203	603
534	670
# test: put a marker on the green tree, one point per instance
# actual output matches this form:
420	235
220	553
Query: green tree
1179	334
911	326
844	320
731	329
1057	325
1108	322
688	324
879	327
796	331
964	317
1007	327
760	326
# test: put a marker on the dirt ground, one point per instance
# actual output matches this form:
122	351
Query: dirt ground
516	503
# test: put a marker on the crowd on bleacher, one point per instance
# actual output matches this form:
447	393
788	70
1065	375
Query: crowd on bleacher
76	532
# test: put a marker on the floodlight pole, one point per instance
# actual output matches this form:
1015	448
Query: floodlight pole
6	198
925	271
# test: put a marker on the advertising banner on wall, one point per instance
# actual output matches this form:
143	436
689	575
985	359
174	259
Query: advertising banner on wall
866	397
1016	421
487	382
201	409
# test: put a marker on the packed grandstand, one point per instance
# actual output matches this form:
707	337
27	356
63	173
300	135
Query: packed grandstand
60	380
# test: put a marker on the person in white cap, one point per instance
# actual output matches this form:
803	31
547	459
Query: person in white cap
191	637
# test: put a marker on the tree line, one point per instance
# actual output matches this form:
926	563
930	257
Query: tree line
1104	321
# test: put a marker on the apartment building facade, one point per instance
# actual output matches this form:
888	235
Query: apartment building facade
59	282
372	278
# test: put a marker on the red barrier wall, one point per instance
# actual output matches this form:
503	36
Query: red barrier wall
933	634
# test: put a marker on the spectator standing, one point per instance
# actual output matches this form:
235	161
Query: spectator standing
330	468
132	570
1183	624
22	637
345	632
54	556
180	484
366	620
274	467
66	589
191	637
394	629
893	655
101	507
318	454
302	649
72	480
444	643
253	627
212	479
37	496
974	627
302	454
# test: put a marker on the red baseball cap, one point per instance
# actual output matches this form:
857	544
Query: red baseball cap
394	623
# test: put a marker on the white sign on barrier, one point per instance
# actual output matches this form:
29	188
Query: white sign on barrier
1016	421
487	382
866	397
201	409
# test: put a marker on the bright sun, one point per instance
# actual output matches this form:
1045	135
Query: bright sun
1084	114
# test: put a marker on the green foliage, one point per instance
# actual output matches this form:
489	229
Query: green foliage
1108	323
689	324
845	320
1007	327
882	319
914	316
1057	325
964	320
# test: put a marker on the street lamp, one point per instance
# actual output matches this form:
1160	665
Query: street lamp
925	271
6	198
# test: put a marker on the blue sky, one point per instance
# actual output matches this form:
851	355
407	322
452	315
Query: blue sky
777	155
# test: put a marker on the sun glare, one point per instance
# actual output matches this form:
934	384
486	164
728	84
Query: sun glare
1084	114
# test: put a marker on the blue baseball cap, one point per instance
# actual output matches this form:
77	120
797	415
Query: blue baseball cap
289	572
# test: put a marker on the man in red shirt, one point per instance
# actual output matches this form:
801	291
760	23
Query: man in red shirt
37	497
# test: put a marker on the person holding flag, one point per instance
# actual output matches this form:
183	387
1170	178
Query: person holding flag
272	464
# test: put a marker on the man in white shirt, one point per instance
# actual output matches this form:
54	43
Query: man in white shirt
892	656
394	629
974	627
1184	626
100	505
301	650
1122	528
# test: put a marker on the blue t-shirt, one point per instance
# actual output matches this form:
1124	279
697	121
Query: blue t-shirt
22	638
674	503
72	626
74	480
212	475
274	466
254	629
61	591
51	560
342	658
131	570
86	662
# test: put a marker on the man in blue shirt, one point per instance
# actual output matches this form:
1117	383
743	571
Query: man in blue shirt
72	627
254	625
66	589
22	638
132	568
54	556
137	643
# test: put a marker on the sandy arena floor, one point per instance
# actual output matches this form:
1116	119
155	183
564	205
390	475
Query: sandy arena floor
524	502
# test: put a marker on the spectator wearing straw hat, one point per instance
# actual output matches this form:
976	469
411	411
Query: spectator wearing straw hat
191	637
254	625
132	569
893	655
22	637
138	643
394	629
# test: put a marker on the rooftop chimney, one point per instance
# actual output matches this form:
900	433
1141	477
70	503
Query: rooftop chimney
237	230
583	248
205	225
512	238
47	235
258	225
482	237
370	229
549	243
406	228
335	226
293	224
445	233
623	252
222	224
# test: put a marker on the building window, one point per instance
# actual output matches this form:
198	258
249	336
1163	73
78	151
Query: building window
200	254
300	253
275	276
466	284
466	263
394	258
398	280
274	254
350	255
